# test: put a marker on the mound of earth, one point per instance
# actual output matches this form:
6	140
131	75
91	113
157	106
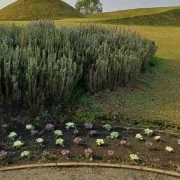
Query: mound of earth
28	10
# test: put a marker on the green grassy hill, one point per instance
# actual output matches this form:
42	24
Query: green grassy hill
131	12
37	9
166	18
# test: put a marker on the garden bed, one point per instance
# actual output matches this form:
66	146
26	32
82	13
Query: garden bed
78	143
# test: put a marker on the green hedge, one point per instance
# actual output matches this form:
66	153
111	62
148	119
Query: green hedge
41	64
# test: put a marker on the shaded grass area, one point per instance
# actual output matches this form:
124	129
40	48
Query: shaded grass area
167	18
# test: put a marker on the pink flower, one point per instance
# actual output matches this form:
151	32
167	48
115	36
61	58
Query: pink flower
77	140
148	143
65	152
110	153
88	151
123	142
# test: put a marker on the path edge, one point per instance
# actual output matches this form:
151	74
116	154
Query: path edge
79	164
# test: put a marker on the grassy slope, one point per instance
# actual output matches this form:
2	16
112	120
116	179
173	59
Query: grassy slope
37	9
131	13
167	18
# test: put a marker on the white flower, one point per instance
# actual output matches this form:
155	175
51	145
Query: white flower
39	140
107	127
139	136
58	133
134	157
178	141
25	154
99	142
148	132
169	149
157	138
12	135
114	135
60	141
29	127
17	144
70	125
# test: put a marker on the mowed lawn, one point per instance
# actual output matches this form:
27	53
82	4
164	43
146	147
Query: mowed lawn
155	97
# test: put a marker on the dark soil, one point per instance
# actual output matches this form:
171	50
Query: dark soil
154	156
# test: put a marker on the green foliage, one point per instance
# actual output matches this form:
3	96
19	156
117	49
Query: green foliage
89	6
83	115
41	65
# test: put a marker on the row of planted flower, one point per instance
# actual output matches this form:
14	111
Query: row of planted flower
59	141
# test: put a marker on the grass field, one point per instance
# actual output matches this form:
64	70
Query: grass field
155	97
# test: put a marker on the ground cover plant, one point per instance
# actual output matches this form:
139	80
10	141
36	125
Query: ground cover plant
22	144
42	65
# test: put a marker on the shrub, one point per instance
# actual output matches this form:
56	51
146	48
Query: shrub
42	65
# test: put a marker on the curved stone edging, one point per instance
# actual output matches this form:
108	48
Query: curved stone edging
76	164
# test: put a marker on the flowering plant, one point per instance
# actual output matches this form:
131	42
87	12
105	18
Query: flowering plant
110	153
49	127
178	141
25	154
134	157
92	132
169	149
148	132
99	142
70	125
157	138
40	140
123	142
88	152
12	135
88	125
29	127
58	133
2	154
139	136
114	135
77	140
65	152
17	144
33	132
149	144
60	142
107	127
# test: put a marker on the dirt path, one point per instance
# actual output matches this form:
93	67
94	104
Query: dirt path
80	174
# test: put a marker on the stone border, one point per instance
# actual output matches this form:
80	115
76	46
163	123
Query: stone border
105	165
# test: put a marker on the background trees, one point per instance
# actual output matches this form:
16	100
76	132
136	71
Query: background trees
89	6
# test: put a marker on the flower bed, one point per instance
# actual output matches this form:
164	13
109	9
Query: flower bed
86	143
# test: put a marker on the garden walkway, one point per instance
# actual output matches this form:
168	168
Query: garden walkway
81	174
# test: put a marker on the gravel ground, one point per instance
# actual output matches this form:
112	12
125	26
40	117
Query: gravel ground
80	174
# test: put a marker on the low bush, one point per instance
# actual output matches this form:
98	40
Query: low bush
41	64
